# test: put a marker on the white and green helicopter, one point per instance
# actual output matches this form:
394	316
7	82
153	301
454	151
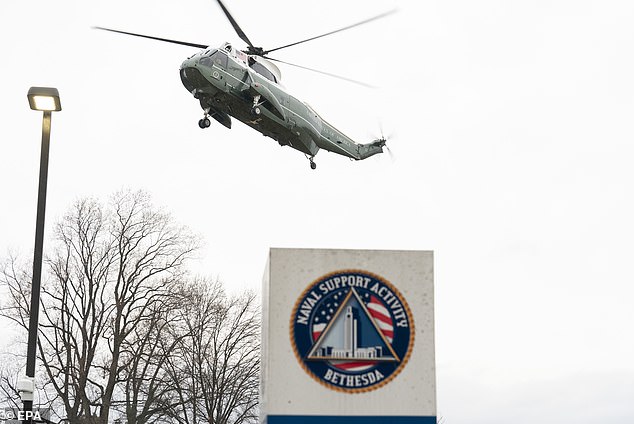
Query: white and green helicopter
246	85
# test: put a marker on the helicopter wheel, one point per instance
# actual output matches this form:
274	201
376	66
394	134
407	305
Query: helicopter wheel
204	123
255	111
313	165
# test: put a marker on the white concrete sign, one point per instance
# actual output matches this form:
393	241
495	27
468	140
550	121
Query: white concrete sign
348	337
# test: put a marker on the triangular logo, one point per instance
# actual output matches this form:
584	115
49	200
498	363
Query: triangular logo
352	334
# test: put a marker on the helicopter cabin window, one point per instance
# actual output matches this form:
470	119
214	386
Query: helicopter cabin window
261	69
217	58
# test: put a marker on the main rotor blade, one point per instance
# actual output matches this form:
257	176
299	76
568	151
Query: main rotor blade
235	25
322	72
183	43
382	15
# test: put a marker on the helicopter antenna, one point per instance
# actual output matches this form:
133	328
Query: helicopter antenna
374	18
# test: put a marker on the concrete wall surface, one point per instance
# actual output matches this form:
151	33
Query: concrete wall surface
348	335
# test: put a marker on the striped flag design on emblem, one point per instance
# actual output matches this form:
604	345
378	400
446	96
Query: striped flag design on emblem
381	317
317	329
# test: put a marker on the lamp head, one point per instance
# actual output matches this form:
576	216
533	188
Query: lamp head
45	99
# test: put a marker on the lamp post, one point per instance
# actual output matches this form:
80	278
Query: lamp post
45	99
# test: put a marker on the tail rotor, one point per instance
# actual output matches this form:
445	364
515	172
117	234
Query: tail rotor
382	142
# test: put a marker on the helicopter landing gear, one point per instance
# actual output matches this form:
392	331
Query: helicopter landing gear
313	165
255	109
205	122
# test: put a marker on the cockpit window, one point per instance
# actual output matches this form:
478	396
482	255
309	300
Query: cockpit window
217	58
261	69
220	59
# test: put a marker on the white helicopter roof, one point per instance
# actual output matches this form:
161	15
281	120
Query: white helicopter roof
270	66
244	58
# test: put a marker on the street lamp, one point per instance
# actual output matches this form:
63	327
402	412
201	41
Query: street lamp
45	99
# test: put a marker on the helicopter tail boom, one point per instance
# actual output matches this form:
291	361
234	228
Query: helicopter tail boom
335	141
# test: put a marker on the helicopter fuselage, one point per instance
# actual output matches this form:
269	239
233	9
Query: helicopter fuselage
230	83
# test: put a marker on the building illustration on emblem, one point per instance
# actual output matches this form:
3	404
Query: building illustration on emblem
352	334
351	348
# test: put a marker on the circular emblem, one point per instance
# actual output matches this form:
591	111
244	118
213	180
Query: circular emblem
352	331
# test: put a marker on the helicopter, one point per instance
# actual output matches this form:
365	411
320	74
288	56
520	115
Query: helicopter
246	85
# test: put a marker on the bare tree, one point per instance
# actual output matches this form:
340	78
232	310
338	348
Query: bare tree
123	329
9	396
148	391
110	274
217	368
15	278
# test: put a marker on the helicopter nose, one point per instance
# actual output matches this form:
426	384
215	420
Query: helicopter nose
191	77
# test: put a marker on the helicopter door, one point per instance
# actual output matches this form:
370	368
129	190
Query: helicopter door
236	70
295	111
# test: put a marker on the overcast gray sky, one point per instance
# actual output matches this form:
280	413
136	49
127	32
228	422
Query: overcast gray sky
512	124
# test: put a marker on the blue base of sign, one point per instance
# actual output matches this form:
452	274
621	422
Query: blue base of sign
329	419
